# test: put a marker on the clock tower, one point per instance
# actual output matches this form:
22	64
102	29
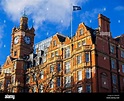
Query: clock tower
22	39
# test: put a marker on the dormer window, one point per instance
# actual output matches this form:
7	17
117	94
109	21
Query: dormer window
81	31
54	43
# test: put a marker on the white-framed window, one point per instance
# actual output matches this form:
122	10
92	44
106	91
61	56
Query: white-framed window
79	73
67	67
112	50
88	88
81	31
83	42
80	89
114	79
122	68
88	73
52	54
78	59
122	53
56	53
51	68
41	74
79	44
113	63
54	43
67	52
87	57
67	82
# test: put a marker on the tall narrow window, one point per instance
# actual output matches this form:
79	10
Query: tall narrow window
59	67
67	82
34	89
56	53
67	52
122	54
58	81
83	42
114	79
88	73
52	54
87	57
51	68
81	31
88	88
67	67
79	75
112	49
79	44
13	79
80	89
123	68
51	84
41	74
113	63
104	80
78	59
54	43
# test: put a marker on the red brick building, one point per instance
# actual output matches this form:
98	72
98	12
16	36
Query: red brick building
90	61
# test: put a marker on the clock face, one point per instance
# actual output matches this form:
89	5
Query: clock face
16	39
27	40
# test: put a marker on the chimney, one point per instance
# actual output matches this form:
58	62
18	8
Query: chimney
104	23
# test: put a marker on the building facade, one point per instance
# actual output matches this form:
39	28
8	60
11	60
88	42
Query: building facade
91	61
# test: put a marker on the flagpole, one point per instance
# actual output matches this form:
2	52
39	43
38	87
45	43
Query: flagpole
71	18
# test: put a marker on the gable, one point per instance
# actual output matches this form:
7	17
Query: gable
8	61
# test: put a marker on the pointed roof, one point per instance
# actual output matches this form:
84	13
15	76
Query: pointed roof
61	37
8	60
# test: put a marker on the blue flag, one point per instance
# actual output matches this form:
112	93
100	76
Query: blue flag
75	8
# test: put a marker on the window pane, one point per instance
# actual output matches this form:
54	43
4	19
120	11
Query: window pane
114	79
80	89
88	73
122	54
88	88
123	68
113	64
79	75
87	59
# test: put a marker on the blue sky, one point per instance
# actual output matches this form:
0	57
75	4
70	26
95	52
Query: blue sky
51	16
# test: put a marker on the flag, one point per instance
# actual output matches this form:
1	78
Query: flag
75	8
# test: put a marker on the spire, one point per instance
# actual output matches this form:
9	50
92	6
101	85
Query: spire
24	22
24	13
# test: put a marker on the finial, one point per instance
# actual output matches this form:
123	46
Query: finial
24	13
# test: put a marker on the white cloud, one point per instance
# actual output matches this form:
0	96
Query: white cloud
53	11
91	15
119	8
